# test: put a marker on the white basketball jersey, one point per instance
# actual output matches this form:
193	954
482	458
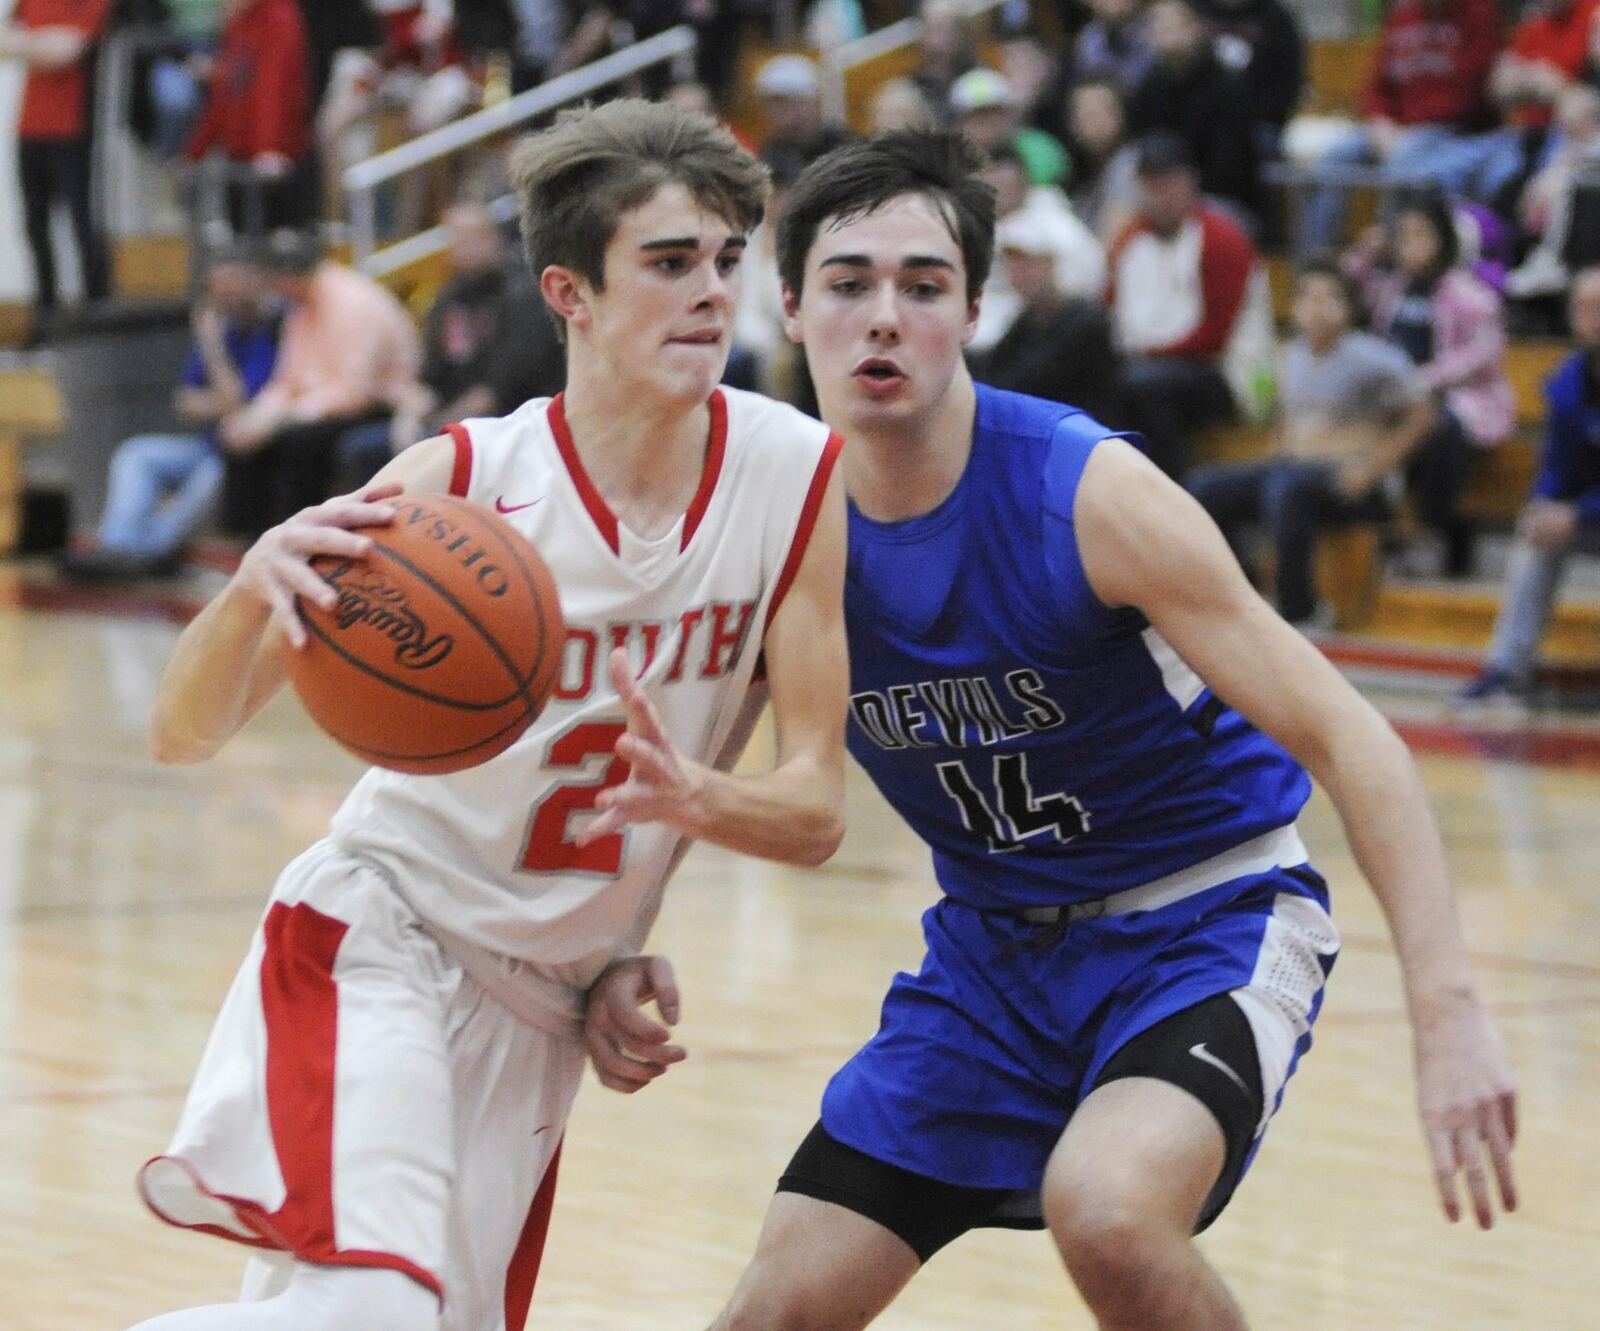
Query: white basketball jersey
487	856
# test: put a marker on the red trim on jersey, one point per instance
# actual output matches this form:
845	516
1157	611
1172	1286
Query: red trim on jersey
716	444
599	510
522	1272
808	520
461	470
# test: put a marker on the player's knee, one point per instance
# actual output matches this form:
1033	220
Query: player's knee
766	1302
1114	1248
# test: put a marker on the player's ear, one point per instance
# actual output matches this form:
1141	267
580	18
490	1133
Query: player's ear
566	293
970	331
791	313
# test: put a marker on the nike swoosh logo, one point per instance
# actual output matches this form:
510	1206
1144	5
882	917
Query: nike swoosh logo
500	505
1206	1056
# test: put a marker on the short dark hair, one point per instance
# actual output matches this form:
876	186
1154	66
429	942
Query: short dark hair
1161	154
858	178
1327	266
577	178
1435	209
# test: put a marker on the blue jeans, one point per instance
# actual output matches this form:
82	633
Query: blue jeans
1533	577
1461	165
1292	500
161	488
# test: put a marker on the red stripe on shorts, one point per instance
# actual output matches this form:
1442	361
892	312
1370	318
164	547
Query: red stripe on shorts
523	1269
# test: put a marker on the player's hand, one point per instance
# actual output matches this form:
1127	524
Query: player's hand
276	570
1468	1101
662	786
627	1046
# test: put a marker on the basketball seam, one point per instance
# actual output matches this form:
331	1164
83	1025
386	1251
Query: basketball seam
532	581
367	751
490	641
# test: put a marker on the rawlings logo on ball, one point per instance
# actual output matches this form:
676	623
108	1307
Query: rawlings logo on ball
366	599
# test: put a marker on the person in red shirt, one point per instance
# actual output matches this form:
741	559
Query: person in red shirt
258	113
56	40
1426	95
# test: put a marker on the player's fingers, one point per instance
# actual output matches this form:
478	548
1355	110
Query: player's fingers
1469	1150
612	819
1508	1114
300	580
1499	1145
665	984
314	541
1441	1147
283	610
635	1028
620	669
646	759
373	493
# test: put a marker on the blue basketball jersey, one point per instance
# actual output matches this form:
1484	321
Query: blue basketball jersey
1050	750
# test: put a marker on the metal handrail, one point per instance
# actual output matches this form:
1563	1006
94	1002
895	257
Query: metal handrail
842	59
364	177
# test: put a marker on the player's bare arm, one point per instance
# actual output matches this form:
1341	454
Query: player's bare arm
1147	544
229	661
793	813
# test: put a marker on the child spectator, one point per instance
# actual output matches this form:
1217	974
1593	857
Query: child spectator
1452	325
1352	407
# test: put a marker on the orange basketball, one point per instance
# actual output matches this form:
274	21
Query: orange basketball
444	643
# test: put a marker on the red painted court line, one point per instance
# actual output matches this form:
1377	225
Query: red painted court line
124	602
1575	750
1420	659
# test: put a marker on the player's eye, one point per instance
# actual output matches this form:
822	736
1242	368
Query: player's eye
847	286
926	290
672	263
727	263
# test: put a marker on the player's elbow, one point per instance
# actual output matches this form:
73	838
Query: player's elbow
171	746
823	835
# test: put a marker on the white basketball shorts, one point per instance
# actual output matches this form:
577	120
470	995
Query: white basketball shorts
364	1101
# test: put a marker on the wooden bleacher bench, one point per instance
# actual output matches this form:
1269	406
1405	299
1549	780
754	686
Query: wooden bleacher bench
1498	485
31	406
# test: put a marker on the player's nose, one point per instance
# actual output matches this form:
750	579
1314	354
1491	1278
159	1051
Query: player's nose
884	324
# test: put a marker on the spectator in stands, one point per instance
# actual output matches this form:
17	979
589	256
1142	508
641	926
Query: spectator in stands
790	89
987	114
1080	257
1113	45
1261	42
162	486
347	356
1563	513
1452	325
1426	93
1104	178
1179	275
900	104
178	75
1352	407
55	40
1545	207
488	345
258	115
1190	93
946	50
1059	344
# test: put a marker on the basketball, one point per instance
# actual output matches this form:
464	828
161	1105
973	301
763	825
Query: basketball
443	645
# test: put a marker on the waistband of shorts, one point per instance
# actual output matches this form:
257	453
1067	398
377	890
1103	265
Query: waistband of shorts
1278	849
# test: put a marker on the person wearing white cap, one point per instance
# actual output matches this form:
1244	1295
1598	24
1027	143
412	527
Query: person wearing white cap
1058	345
988	114
790	89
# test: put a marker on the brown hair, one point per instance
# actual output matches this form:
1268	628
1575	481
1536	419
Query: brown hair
576	179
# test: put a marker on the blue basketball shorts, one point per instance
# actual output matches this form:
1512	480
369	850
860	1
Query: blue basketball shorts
982	1056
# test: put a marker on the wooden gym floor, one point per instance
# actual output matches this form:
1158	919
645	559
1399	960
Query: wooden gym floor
128	891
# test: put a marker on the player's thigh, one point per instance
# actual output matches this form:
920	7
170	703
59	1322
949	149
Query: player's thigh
818	1266
512	1089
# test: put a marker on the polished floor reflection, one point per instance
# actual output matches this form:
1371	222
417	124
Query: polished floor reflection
127	893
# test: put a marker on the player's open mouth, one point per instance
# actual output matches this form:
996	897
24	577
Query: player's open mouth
706	337
879	376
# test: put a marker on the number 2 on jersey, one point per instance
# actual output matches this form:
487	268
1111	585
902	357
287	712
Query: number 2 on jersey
1021	813
550	847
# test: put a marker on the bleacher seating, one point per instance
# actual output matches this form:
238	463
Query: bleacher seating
31	407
